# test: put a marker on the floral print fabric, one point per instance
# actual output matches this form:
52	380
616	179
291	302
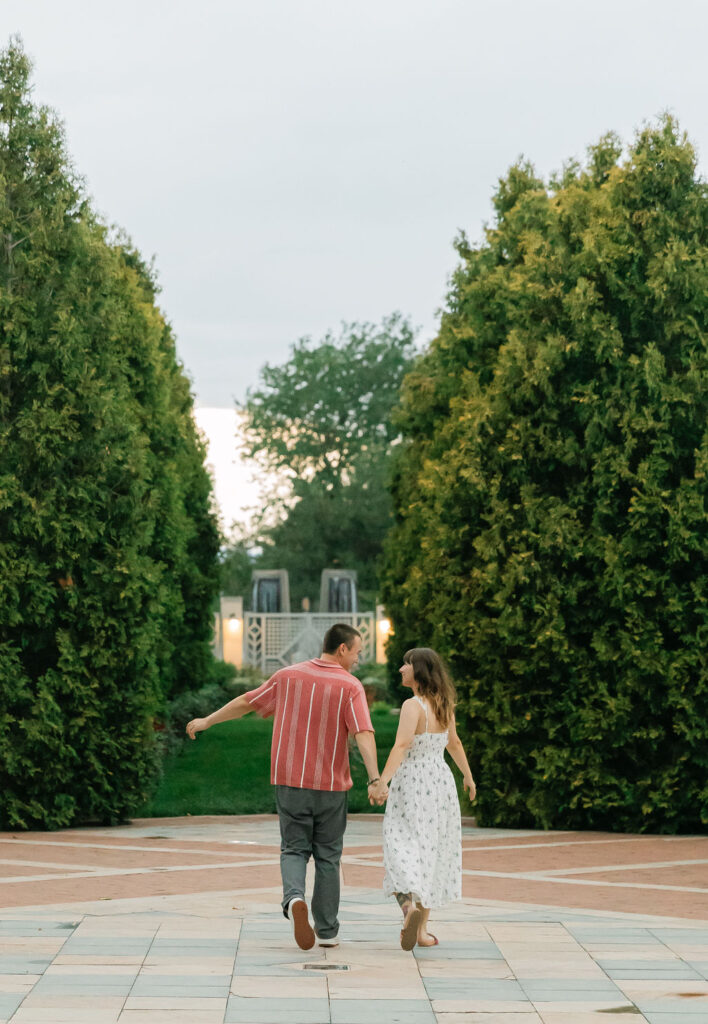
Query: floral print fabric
422	841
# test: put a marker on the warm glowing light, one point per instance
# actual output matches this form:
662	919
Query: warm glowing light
384	626
234	624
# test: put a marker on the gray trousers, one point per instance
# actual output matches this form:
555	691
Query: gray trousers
312	824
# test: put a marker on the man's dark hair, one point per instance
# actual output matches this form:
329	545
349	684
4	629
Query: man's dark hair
339	633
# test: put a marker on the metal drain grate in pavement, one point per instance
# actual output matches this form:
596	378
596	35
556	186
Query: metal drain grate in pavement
326	967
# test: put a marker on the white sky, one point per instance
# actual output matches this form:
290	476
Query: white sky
235	489
296	163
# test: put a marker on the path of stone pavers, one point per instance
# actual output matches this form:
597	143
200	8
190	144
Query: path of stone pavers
227	956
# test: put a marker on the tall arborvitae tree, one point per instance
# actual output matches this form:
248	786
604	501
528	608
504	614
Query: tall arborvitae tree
186	539
552	533
103	496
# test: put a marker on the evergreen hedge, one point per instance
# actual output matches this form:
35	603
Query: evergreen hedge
107	539
551	517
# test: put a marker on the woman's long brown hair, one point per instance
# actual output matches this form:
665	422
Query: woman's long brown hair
433	681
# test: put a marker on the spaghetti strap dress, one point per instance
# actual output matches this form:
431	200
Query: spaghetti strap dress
422	835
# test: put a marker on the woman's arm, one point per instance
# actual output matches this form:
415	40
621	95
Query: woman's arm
458	755
407	725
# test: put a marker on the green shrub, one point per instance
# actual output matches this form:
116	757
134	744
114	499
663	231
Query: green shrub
374	679
551	500
107	539
381	706
226	682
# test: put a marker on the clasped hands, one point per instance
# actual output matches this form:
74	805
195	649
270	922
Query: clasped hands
378	793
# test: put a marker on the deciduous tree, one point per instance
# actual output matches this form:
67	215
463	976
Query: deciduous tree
322	423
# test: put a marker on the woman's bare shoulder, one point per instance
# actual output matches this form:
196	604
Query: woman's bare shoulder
410	705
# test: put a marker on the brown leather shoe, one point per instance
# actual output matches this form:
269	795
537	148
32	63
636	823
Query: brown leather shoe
302	929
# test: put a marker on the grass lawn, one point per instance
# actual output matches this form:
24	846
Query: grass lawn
227	771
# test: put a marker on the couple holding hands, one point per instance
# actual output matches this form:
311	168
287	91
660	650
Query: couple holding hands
316	706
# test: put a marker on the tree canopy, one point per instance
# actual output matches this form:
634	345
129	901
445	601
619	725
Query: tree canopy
550	533
107	536
322	423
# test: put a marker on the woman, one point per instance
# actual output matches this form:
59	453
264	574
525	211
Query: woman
422	835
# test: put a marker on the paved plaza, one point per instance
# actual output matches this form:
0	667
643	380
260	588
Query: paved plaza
178	920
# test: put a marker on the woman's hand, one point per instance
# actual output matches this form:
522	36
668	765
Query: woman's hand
469	786
378	793
195	726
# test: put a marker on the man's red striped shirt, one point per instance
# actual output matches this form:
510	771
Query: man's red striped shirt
316	705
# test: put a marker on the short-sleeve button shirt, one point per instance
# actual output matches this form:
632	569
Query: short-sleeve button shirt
316	705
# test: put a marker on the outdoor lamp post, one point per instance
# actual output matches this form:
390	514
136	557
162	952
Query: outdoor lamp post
232	630
383	630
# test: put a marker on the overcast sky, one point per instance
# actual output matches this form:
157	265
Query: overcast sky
295	163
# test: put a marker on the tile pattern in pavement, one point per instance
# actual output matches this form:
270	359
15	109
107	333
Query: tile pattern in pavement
227	957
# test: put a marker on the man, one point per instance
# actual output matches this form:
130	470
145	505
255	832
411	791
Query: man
317	705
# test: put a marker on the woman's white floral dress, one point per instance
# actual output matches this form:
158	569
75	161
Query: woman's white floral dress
422	829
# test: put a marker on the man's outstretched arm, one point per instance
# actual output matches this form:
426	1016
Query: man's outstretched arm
236	708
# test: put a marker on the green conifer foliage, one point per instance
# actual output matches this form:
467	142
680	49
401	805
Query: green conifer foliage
551	530
104	501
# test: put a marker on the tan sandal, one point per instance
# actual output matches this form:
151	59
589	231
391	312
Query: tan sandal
409	932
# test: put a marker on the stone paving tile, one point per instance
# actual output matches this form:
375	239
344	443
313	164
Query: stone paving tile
81	1003
655	988
97	986
184	966
442	1006
192	947
277	1011
382	984
592	1017
606	951
565	985
685	1011
375	1011
466	969
195	986
90	960
55	1015
43	929
27	964
648	974
18	982
573	1007
9	1002
193	1004
697	936
293	988
170	1017
77	944
473	989
669	1018
459	950
489	1018
700	966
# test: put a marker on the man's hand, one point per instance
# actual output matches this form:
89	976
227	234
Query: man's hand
378	793
195	726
